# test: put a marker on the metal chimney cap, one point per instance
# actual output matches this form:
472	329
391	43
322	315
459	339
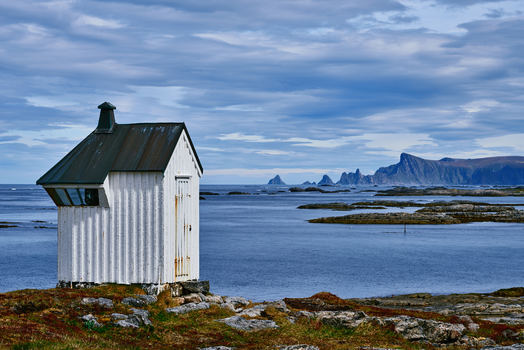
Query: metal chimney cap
106	105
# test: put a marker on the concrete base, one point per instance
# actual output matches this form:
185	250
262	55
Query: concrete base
177	288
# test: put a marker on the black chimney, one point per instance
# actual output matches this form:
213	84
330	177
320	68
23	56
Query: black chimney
106	122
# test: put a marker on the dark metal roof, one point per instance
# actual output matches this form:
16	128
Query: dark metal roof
129	147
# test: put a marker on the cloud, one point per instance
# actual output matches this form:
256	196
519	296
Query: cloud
243	137
331	84
274	152
270	172
86	20
480	106
513	143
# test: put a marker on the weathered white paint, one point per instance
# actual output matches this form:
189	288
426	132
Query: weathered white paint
181	185
151	222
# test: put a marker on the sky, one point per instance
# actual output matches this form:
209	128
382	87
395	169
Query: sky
299	88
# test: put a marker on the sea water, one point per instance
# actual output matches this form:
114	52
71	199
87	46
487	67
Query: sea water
261	246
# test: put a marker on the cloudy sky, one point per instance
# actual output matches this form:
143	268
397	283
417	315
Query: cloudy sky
294	87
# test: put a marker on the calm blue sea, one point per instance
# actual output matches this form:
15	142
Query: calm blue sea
261	247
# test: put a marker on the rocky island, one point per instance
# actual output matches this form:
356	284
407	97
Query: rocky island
276	181
188	316
433	213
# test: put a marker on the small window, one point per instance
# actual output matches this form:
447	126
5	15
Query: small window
91	196
63	196
74	194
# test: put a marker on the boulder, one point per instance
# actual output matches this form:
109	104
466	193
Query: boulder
254	311
347	319
155	289
237	301
140	300
103	302
116	316
193	298
259	309
137	319
183	309
216	299
195	287
417	329
220	347
90	320
230	306
297	347
243	324
509	347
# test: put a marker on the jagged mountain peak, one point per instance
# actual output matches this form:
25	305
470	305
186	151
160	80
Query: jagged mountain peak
276	181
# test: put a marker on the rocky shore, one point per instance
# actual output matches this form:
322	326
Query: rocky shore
452	212
189	317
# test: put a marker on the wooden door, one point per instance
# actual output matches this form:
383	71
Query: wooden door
183	229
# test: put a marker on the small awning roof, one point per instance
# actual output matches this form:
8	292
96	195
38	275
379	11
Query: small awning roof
129	147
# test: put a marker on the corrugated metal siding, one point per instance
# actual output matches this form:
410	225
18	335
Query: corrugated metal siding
121	244
183	167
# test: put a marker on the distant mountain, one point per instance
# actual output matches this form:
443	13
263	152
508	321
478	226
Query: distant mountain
413	170
276	181
326	181
354	178
308	183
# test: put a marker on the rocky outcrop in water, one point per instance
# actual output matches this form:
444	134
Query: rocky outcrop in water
326	181
276	181
446	171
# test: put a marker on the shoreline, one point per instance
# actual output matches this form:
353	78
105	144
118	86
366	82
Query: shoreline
125	316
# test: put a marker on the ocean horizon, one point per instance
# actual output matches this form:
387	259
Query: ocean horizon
261	247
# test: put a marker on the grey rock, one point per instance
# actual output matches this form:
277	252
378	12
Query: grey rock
509	347
217	299
192	298
297	347
472	326
116	316
155	289
279	305
220	347
254	311
304	314
243	324
128	323
90	319
195	287
183	309
76	285
141	315
140	300
104	302
230	306
505	320
348	319
417	329
237	301
137	319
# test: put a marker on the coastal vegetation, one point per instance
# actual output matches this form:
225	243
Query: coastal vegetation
118	316
440	212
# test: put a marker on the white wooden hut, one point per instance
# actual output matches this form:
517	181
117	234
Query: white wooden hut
128	204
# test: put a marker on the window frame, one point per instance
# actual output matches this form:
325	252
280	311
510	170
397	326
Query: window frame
62	195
